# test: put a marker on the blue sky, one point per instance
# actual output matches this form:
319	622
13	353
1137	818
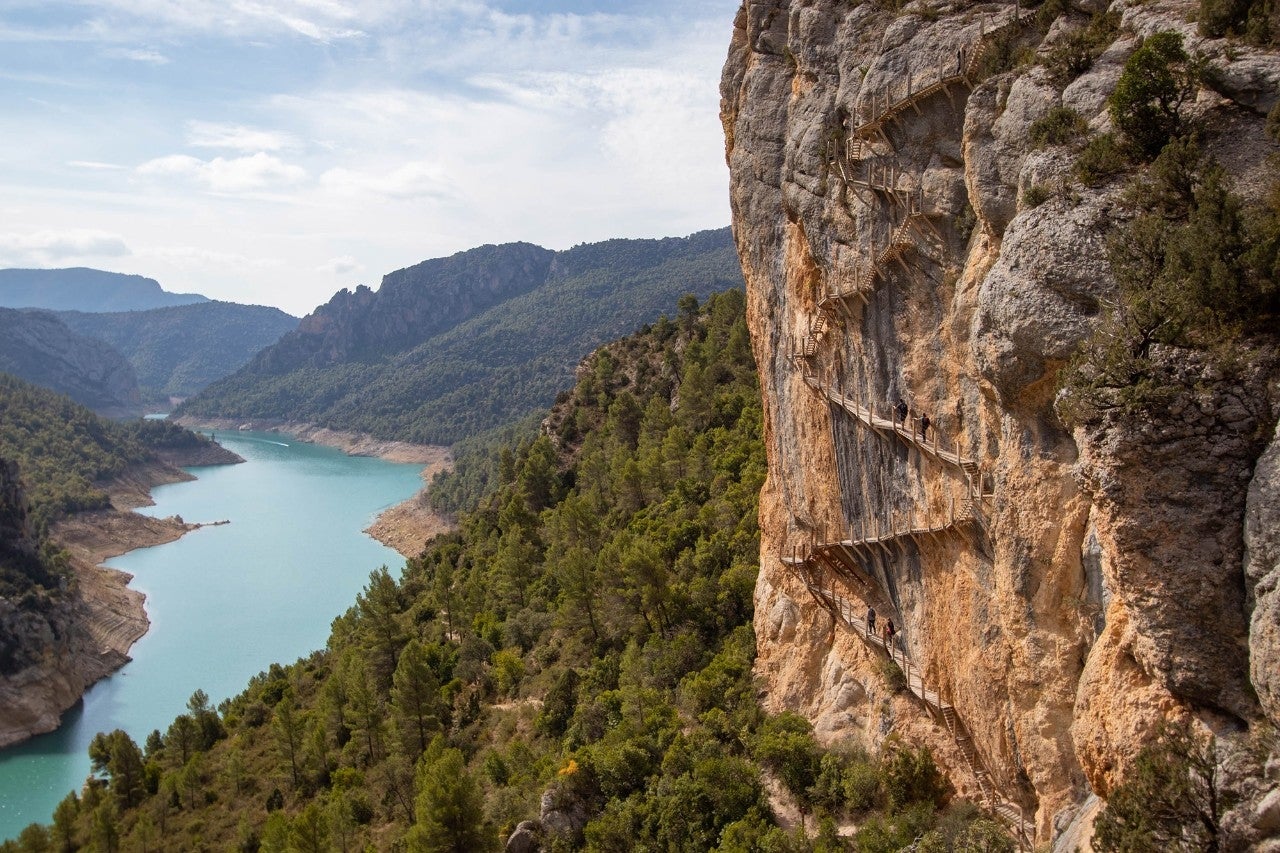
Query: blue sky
275	151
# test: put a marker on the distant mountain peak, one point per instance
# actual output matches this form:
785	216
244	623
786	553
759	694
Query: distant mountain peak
84	289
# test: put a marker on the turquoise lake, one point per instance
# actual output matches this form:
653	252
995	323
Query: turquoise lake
225	602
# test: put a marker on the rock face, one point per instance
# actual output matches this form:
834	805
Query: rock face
54	642
1262	578
58	635
37	347
1059	592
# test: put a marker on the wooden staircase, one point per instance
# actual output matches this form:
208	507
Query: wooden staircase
943	78
817	329
822	586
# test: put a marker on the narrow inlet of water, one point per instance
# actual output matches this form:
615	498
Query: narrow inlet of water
225	602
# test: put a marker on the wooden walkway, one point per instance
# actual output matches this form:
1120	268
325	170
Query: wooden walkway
825	591
932	449
862	283
817	328
874	128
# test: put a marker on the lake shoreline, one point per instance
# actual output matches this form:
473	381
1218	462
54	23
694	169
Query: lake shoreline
405	527
103	617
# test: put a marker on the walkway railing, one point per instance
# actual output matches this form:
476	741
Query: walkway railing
892	425
944	76
825	591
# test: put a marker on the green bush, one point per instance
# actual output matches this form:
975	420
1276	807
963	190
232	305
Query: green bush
1075	52
1102	159
1057	127
1172	798
1158	79
1035	195
1255	20
909	777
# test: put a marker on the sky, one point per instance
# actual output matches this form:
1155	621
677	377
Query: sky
273	152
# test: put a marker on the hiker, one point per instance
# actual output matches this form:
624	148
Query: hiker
871	621
960	60
924	427
902	411
889	631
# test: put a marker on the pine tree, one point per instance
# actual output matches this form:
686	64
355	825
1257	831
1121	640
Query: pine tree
450	808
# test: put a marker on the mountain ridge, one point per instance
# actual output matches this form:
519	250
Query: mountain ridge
38	347
85	289
492	361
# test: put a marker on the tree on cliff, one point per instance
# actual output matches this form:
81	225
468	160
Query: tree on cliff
1172	799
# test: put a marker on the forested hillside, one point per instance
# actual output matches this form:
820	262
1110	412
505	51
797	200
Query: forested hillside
66	453
177	351
572	666
38	347
83	289
520	319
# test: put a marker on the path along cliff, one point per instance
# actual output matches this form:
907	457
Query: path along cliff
1060	590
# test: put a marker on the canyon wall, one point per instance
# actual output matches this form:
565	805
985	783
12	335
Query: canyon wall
1058	592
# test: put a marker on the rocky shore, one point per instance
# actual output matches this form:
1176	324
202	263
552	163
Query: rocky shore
88	635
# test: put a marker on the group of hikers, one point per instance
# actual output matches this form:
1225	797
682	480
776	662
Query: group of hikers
904	417
887	630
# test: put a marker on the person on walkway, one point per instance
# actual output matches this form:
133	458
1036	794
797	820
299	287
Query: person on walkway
924	427
871	621
960	60
901	411
889	631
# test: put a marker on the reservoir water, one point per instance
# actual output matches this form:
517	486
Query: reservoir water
225	602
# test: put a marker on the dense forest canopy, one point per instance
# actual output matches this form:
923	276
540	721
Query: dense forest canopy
66	453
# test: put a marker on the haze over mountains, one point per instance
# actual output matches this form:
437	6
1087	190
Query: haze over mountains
82	289
37	347
178	350
119	343
454	346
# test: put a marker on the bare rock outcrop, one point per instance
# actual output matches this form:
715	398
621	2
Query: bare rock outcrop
1262	578
1060	591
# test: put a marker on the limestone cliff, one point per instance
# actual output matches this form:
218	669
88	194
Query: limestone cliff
1058	592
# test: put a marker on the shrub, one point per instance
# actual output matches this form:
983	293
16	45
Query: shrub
1171	799
1253	19
1158	79
892	675
1075	53
786	746
909	776
1035	195
1103	158
1057	127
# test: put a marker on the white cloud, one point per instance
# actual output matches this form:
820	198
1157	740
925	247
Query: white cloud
222	175
44	248
341	265
410	181
144	55
197	257
96	166
208	134
320	21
